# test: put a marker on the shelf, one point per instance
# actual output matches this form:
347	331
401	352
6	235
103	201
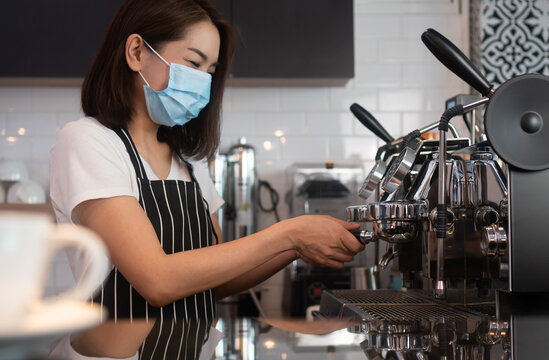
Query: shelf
40	208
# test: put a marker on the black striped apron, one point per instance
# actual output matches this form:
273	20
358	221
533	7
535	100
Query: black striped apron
181	219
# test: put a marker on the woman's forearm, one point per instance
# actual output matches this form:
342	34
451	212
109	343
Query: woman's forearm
256	276
233	266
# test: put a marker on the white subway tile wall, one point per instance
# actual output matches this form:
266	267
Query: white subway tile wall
396	79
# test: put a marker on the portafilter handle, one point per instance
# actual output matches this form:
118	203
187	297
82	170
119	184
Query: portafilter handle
364	236
371	123
455	60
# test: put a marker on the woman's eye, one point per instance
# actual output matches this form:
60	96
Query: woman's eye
194	63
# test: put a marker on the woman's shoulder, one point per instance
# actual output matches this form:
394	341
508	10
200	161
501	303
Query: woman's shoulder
87	140
84	126
86	131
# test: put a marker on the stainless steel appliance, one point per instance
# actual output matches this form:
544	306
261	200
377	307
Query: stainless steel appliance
324	188
234	176
463	220
320	189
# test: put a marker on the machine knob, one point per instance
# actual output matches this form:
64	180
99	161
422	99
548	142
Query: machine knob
494	241
486	215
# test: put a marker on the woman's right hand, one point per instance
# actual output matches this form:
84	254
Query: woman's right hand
322	240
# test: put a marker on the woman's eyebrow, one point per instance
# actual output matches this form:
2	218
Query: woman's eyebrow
203	56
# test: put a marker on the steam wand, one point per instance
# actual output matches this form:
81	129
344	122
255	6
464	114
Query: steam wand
404	140
439	286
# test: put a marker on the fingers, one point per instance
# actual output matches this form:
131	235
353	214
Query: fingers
332	257
348	240
347	225
351	243
322	261
326	241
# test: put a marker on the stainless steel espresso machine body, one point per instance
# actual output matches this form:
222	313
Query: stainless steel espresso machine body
476	194
463	220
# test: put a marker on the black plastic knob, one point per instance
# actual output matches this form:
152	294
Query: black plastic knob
531	122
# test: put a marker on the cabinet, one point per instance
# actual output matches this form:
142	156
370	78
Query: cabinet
51	39
292	39
55	41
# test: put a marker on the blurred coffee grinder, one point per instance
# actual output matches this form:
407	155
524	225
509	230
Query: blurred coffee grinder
321	189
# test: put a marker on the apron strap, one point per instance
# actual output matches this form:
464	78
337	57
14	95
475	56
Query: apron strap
132	151
191	170
140	169
191	173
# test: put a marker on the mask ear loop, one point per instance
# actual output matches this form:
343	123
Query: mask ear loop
142	77
154	51
157	54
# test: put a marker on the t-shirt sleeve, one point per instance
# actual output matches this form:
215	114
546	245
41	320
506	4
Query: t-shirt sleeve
86	163
202	174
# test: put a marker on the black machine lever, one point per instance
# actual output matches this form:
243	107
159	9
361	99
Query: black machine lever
455	60
371	123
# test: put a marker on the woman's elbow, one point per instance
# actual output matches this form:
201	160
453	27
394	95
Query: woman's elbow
161	293
157	295
159	289
154	289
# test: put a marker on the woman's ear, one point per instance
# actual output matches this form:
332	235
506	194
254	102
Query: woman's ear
134	52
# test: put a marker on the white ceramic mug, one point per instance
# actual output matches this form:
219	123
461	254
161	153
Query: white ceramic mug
28	244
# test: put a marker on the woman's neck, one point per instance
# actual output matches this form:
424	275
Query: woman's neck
141	127
157	154
143	130
144	135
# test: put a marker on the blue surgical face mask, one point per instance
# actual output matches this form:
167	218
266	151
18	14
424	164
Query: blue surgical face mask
187	93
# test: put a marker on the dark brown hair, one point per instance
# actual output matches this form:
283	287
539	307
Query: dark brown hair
108	87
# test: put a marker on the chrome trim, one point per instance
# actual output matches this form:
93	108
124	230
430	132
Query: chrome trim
510	233
399	168
425	182
373	179
396	210
474	104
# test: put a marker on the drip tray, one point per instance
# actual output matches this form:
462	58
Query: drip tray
392	307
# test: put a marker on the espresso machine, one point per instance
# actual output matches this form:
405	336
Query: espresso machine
463	220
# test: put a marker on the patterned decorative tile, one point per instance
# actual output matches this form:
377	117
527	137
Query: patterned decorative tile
515	38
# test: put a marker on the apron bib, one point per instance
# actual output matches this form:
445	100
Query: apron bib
181	219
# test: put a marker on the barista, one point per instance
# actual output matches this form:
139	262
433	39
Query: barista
134	170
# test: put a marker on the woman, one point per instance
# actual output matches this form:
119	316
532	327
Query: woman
134	171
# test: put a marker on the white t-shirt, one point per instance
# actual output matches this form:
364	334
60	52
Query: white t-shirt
89	161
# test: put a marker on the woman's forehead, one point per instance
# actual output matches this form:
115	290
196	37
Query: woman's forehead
202	36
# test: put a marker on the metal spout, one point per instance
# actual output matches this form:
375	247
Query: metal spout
386	259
